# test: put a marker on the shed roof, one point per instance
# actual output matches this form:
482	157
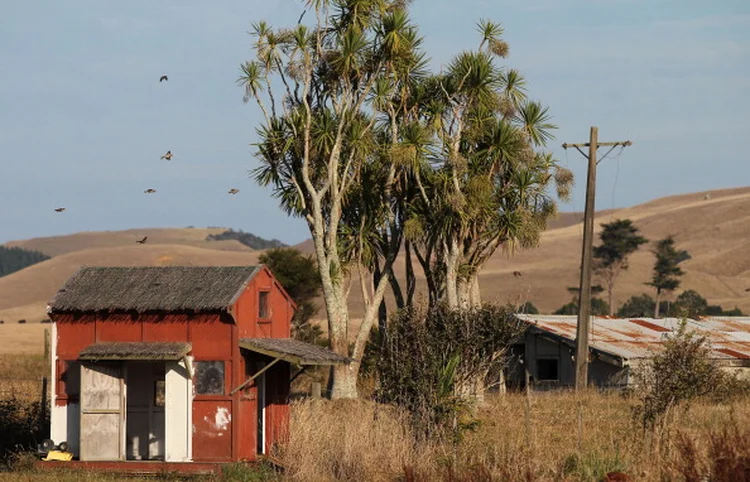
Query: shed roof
136	350
293	351
169	288
634	338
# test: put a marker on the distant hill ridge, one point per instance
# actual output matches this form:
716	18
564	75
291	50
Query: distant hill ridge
713	226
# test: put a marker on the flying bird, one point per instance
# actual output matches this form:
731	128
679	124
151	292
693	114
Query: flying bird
59	210
149	191
517	274
142	241
167	156
163	78
234	191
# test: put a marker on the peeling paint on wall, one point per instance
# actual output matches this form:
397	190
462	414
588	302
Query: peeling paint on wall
222	419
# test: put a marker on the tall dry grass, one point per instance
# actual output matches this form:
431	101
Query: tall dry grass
552	436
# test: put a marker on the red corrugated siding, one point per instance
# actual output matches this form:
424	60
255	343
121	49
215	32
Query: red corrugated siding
212	437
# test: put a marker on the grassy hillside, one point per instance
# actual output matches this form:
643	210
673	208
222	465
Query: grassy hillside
197	237
716	232
715	229
24	294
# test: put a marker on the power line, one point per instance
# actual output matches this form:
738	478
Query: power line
584	291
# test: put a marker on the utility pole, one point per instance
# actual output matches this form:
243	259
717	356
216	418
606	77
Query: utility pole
584	288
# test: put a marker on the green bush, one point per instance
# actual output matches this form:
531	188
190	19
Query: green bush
431	358
683	372
22	426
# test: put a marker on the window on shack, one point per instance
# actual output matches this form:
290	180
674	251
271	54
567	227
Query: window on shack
209	377
263	311
547	369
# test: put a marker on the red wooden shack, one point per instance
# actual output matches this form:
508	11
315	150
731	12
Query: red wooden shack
174	364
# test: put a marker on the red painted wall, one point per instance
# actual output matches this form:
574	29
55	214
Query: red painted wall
213	336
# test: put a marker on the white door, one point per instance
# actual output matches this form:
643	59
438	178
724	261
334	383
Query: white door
102	412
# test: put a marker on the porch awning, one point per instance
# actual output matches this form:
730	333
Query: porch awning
136	350
293	351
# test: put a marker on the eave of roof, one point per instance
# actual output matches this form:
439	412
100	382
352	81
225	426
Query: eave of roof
135	350
293	351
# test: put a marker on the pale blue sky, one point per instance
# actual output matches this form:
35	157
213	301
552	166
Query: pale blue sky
84	120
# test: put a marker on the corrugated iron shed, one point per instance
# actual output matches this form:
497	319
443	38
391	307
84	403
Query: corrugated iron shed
634	338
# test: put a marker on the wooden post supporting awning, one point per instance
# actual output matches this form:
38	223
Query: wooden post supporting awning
289	350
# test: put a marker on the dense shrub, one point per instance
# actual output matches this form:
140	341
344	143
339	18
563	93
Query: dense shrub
681	373
431	358
599	307
22	425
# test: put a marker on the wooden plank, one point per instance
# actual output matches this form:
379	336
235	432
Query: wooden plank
102	387
100	433
101	415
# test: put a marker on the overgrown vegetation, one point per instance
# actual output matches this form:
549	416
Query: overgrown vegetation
15	259
432	358
249	240
298	274
551	437
683	372
23	424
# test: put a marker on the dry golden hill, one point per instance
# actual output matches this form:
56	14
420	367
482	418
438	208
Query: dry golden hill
24	294
57	245
714	227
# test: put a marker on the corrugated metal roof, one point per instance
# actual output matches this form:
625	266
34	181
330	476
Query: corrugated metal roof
633	338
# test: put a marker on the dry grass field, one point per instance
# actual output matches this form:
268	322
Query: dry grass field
26	339
561	437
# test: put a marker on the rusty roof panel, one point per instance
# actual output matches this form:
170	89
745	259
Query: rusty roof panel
632	338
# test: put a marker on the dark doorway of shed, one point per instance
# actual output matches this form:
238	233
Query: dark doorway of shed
145	410
261	384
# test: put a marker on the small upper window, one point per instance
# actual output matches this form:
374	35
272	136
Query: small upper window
263	311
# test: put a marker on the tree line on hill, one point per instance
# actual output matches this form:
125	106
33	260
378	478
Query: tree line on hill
15	259
619	239
248	239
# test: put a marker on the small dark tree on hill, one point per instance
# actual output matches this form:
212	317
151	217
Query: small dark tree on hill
667	273
641	305
298	274
599	307
620	239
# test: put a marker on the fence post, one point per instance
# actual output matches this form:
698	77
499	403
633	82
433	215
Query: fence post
46	345
315	390
44	408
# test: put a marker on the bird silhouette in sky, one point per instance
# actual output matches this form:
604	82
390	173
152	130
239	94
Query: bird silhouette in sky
234	191
59	210
142	241
517	274
163	78
167	156
149	191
